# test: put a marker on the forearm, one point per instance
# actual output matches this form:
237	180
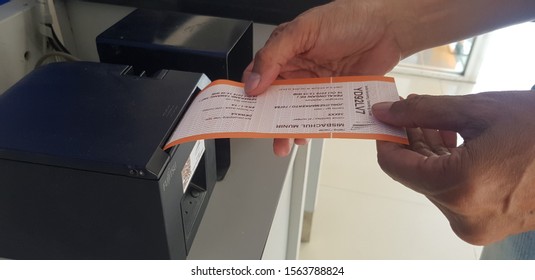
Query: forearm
422	24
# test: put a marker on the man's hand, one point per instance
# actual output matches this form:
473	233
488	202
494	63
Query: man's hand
343	37
486	186
369	37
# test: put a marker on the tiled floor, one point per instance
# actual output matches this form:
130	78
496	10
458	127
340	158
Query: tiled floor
362	214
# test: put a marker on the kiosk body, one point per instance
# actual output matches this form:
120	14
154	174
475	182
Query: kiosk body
83	173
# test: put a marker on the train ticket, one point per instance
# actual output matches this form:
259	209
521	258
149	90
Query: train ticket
337	107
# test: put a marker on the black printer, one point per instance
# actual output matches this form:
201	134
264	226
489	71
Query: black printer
82	171
150	40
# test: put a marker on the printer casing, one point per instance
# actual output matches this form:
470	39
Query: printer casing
82	170
150	40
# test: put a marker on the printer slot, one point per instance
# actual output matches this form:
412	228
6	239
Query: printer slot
144	73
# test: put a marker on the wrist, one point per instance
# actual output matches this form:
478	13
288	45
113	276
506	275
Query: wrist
422	24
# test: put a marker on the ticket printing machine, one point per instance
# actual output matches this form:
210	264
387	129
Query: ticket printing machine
151	40
83	171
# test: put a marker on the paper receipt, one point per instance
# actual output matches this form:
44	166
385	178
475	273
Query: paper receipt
338	107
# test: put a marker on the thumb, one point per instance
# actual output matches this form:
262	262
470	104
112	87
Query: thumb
270	60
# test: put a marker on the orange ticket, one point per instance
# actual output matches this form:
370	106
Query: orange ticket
302	108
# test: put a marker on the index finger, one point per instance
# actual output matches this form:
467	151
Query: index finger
269	61
453	113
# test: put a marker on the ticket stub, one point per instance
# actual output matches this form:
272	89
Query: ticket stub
338	107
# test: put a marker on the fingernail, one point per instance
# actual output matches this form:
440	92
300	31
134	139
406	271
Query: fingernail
252	82
381	107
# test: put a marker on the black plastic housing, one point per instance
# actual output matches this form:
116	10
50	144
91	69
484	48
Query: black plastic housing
151	40
83	173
